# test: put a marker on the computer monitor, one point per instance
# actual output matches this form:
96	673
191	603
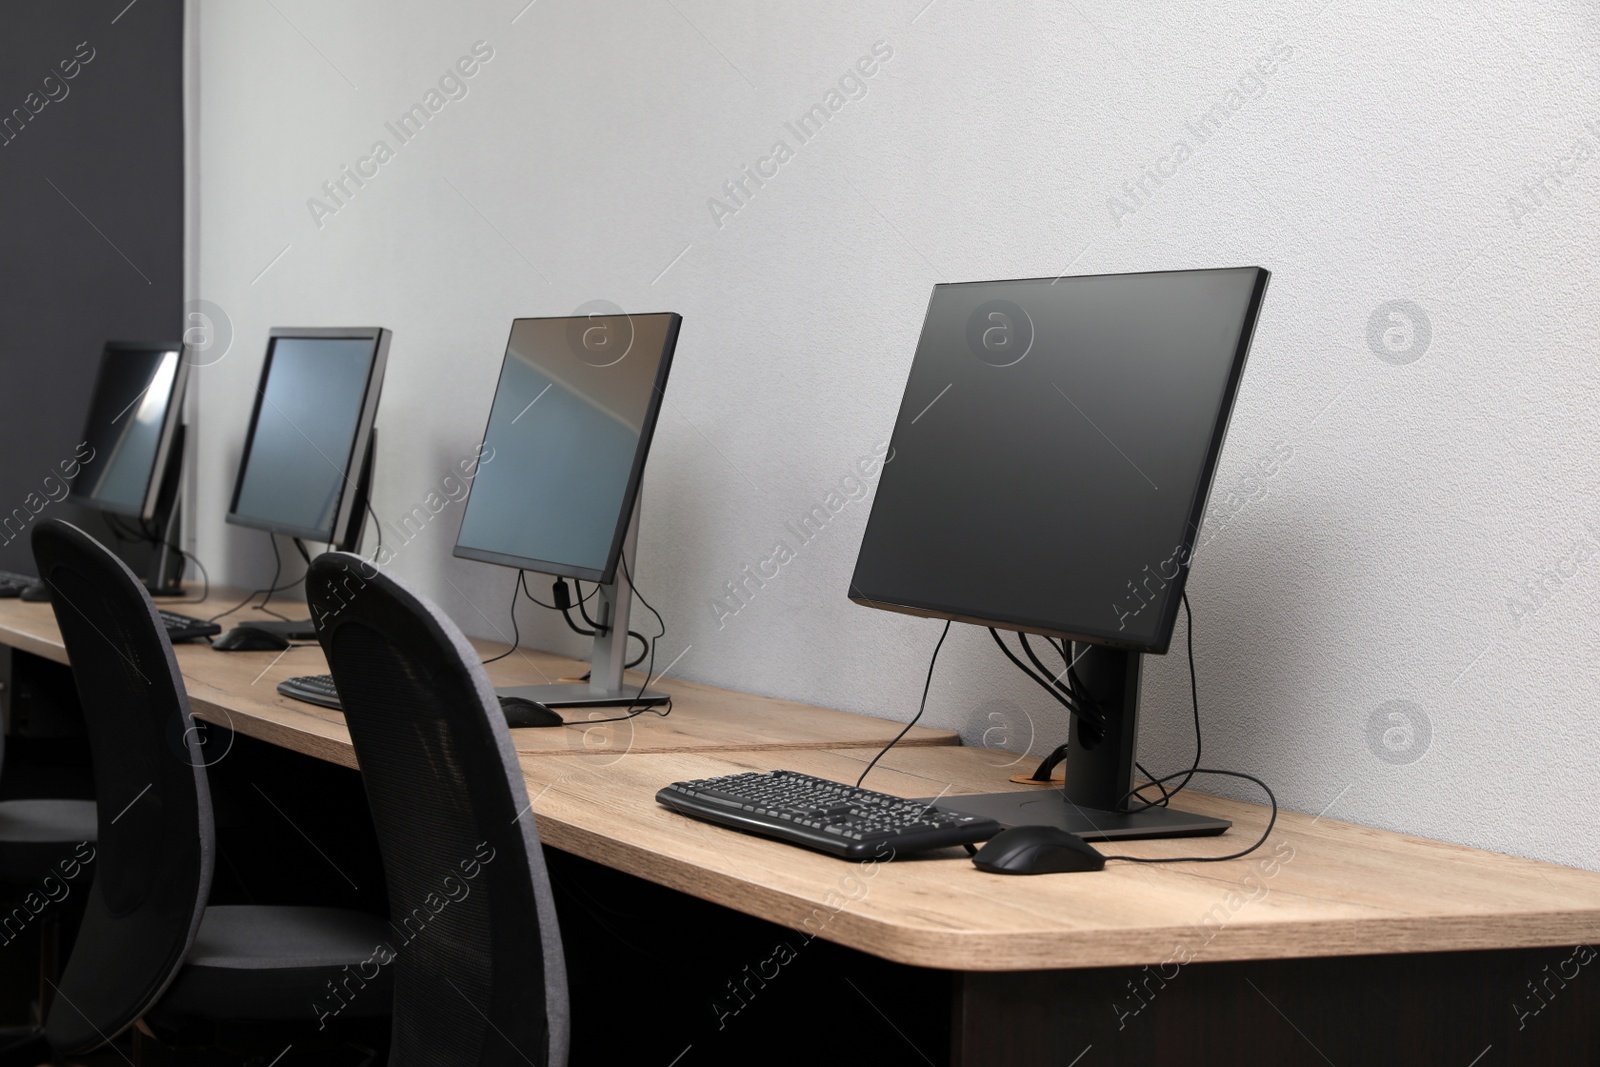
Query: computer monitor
1048	475
307	463
134	437
557	490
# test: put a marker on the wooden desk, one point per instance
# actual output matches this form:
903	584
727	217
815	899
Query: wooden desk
1334	943
239	690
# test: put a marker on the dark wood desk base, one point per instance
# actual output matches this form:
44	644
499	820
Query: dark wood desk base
1483	1009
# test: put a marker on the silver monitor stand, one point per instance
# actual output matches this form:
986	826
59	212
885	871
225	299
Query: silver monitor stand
605	687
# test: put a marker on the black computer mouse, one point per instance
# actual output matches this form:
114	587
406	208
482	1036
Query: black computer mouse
247	638
1037	850
520	711
38	592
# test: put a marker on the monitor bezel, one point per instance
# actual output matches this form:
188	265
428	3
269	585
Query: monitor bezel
1197	508
380	338
170	421
630	498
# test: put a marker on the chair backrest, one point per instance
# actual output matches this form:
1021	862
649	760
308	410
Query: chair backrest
479	976
156	841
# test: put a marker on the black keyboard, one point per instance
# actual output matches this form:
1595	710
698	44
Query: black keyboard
831	817
12	584
313	689
186	627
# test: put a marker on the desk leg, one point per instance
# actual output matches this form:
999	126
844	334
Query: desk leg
1489	1008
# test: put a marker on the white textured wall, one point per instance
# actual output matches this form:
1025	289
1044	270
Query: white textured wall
1445	155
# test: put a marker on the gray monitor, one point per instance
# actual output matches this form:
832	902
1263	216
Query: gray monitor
310	428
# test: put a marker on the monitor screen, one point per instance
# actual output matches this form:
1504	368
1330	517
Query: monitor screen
312	416
1054	450
132	415
566	443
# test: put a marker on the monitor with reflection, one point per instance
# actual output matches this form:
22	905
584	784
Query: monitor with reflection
133	417
309	429
566	443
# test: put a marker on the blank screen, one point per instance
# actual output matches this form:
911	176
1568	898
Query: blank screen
565	436
1054	449
131	400
298	457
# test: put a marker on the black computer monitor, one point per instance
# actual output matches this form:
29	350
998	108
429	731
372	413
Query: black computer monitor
134	436
1049	472
557	488
307	462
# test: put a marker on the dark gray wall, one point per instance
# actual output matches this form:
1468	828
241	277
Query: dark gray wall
92	246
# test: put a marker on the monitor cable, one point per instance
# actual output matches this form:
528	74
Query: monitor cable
273	587
516	634
921	707
563	604
636	709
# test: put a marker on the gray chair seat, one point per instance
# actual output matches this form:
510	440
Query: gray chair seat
36	836
274	963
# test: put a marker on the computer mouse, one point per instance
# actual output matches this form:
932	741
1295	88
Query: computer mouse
247	638
1037	850
38	592
520	711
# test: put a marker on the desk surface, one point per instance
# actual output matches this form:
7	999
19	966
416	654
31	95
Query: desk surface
1316	888
239	690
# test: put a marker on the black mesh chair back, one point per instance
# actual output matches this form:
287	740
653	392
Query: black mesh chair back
479	977
155	847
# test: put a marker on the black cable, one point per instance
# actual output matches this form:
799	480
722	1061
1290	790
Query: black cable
305	553
145	535
377	552
1273	800
516	634
1054	679
1061	697
634	712
1194	703
632	663
926	685
273	588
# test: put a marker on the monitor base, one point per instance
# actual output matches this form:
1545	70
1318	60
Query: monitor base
582	695
288	629
1047	807
172	589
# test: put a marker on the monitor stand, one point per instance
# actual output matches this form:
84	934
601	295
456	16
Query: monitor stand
605	687
1099	769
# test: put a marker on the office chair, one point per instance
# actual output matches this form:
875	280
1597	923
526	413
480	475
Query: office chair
480	979
148	947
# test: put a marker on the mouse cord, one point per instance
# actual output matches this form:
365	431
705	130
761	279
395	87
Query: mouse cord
1271	799
926	685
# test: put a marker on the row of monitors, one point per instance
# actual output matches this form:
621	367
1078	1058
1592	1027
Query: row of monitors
1048	472
554	480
